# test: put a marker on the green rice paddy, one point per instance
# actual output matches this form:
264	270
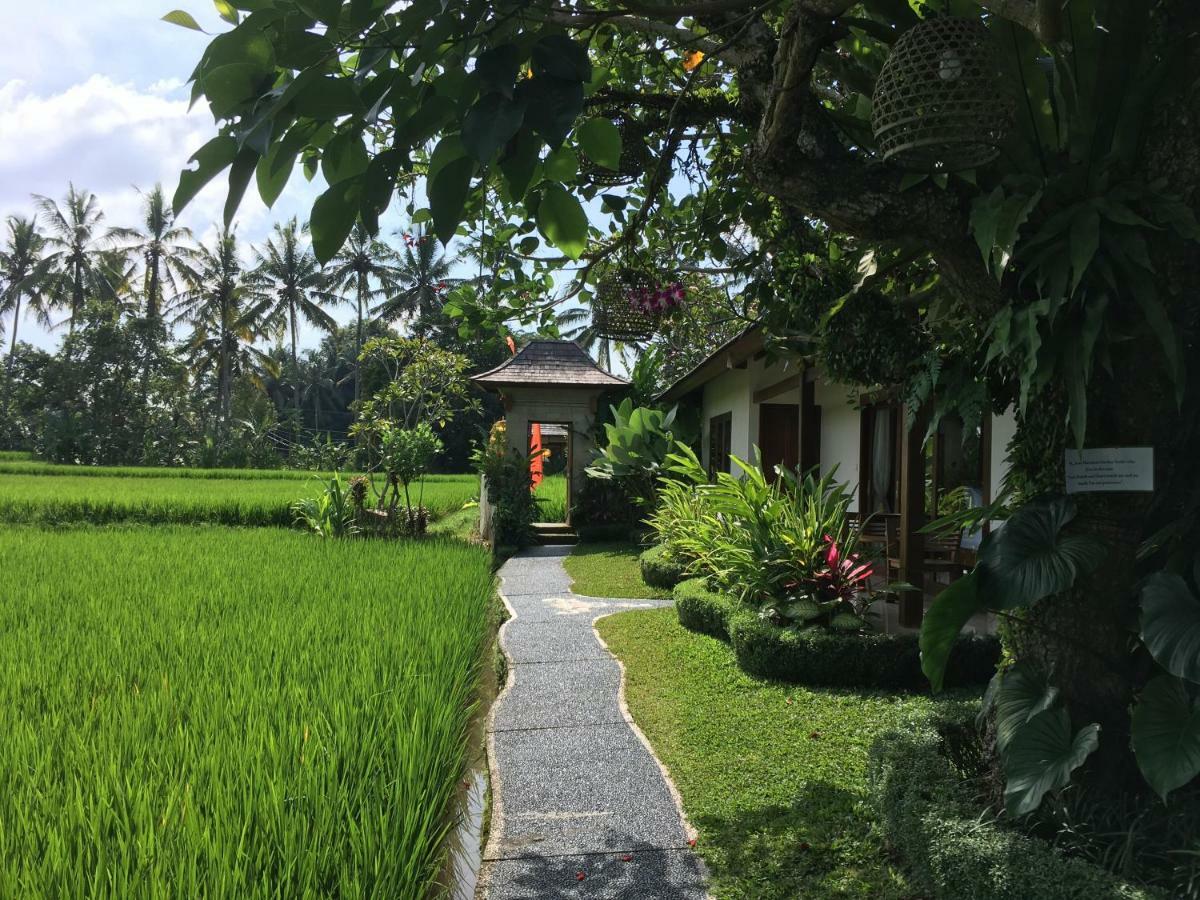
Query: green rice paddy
552	499
216	712
64	494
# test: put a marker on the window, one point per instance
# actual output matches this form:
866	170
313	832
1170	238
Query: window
720	443
880	462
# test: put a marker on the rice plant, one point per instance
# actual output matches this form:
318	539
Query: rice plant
185	499
552	499
211	712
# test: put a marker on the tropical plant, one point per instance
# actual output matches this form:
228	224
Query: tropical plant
370	268
639	441
293	287
421	280
21	275
74	241
405	457
165	251
331	514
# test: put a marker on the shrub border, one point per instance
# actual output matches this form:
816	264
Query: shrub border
930	819
659	570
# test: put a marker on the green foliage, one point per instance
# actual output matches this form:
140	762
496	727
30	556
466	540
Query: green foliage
1171	624
234	698
1041	757
510	492
331	514
659	568
638	443
609	568
954	848
703	610
1166	733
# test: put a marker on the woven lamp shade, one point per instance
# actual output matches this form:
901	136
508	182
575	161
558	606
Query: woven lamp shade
940	102
613	314
635	156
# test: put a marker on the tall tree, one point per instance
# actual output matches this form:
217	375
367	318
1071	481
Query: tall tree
22	272
370	269
295	289
75	241
165	251
223	306
422	280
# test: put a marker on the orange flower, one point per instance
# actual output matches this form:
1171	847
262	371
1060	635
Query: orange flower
692	59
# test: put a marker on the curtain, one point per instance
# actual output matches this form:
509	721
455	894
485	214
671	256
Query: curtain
882	477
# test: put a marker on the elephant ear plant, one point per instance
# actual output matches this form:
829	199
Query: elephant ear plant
1032	559
639	440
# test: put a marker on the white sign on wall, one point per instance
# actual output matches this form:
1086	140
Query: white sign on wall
1110	469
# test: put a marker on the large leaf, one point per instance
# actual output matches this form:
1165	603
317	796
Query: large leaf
1166	734
211	159
1019	694
333	217
601	141
562	221
182	19
1030	558
491	123
448	195
1171	624
1041	758
941	625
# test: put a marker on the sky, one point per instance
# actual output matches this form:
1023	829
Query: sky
94	92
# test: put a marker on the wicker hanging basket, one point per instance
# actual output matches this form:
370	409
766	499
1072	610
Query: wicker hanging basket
615	316
635	155
940	102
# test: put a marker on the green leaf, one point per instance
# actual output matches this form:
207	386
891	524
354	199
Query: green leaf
333	218
942	624
230	87
227	11
1084	242
272	179
558	56
1156	317
240	174
1029	558
1020	694
551	106
562	222
497	69
1166	734
1041	758
601	141
183	20
211	159
344	157
490	124
1171	624
561	165
448	195
326	98
518	164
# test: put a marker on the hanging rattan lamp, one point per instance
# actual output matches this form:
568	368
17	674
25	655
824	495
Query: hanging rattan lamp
616	314
635	155
940	102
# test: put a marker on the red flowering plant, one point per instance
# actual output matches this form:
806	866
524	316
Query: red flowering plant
658	300
836	596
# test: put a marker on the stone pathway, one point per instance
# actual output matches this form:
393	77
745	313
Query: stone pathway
576	790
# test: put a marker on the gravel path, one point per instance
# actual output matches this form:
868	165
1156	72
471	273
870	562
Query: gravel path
581	807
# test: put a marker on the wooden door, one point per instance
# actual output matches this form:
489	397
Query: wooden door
779	436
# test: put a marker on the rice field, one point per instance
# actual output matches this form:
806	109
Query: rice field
181	496
552	499
205	711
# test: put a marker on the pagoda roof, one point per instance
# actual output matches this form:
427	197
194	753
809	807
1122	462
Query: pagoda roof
549	364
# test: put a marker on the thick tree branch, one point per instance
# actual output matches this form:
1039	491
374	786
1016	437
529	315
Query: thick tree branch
693	109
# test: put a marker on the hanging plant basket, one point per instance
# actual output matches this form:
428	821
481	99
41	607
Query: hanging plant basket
940	102
615	313
635	155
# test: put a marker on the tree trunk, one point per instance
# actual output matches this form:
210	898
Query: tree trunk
295	377
12	353
358	340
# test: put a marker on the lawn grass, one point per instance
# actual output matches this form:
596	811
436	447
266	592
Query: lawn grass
773	776
609	570
233	713
552	499
185	498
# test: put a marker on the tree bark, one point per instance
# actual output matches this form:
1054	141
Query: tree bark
12	352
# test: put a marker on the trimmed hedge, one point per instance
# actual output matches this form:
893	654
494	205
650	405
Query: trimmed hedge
659	570
607	532
700	609
930	819
823	659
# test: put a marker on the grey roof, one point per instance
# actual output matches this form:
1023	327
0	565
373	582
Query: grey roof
549	363
734	351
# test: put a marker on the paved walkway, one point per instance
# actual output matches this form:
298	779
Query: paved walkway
576	790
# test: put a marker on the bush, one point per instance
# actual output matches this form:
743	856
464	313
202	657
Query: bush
659	569
929	818
700	609
824	659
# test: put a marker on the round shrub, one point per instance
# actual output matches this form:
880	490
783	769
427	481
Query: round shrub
700	609
659	569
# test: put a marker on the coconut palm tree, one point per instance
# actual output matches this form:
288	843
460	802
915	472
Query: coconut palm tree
370	268
294	287
165	250
22	272
75	241
422	278
221	304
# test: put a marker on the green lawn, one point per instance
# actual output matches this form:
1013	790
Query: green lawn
773	776
552	499
609	570
233	713
184	497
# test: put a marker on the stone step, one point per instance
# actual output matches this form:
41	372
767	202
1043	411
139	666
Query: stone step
555	533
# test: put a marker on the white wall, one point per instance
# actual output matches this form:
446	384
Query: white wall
840	433
729	393
1003	428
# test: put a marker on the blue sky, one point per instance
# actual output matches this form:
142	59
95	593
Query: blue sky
93	91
